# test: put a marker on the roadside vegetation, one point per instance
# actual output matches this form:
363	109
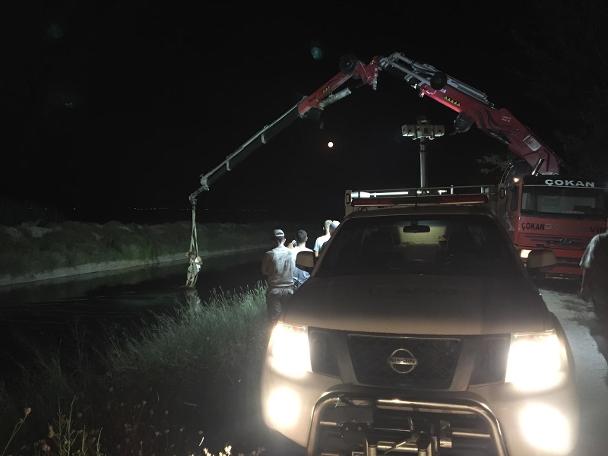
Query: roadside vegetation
186	384
179	383
31	248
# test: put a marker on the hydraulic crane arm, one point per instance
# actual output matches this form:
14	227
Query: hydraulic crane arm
325	95
328	93
472	106
244	150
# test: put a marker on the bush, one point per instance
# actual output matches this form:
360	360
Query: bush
185	376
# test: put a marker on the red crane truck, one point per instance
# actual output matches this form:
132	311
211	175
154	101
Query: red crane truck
540	208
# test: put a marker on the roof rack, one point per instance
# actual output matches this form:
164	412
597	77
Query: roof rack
358	200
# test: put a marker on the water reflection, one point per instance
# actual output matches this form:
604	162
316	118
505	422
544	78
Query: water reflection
135	285
96	307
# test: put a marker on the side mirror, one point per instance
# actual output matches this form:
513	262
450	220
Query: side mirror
538	259
305	260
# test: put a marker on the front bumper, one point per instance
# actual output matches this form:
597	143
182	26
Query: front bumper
330	418
567	265
406	435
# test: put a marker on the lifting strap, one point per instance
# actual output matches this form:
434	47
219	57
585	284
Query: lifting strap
193	257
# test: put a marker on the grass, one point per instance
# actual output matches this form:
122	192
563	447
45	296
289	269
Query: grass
187	377
211	338
34	248
184	378
16	429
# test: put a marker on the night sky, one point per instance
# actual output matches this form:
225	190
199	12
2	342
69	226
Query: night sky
114	105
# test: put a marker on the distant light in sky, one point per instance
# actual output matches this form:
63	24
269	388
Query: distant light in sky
55	31
330	144
316	50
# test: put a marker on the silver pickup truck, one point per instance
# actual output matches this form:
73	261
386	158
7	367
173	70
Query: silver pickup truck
420	332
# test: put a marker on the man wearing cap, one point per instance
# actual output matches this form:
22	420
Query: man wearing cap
278	266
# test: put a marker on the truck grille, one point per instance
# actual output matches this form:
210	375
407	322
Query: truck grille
491	362
323	355
435	361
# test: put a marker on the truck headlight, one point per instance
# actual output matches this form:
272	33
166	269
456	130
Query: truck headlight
537	361
289	350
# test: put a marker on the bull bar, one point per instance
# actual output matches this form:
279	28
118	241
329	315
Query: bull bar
398	402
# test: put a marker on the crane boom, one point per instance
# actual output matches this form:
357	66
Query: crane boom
319	99
325	95
471	104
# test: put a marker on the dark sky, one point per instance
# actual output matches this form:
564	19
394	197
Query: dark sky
124	103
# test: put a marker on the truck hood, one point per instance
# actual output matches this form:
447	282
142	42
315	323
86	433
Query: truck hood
418	304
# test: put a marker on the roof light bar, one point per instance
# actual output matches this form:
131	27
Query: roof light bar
471	195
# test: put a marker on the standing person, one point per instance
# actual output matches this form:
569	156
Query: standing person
278	266
594	285
322	239
332	229
333	226
300	242
299	275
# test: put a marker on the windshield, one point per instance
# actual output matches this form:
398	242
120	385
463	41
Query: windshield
446	245
563	201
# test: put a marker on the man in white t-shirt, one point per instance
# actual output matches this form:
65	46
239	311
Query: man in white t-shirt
278	266
322	239
332	229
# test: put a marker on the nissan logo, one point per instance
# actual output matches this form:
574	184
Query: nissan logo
402	361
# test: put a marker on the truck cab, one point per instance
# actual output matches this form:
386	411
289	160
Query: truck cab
553	212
